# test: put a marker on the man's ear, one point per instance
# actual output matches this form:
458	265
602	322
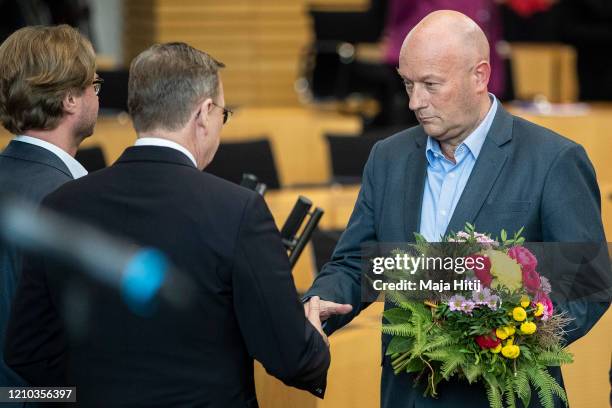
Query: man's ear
204	110
482	72
70	103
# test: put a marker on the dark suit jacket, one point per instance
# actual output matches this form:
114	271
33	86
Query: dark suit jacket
28	172
525	175
219	234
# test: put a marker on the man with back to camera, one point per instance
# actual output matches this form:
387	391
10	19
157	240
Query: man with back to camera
48	98
468	161
219	234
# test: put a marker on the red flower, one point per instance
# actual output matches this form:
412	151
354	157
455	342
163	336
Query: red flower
488	341
484	273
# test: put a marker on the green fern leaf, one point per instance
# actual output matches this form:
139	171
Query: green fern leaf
404	330
522	387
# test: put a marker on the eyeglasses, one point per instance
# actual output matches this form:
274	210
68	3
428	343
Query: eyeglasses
227	114
97	84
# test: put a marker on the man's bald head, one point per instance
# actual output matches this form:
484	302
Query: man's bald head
450	33
444	63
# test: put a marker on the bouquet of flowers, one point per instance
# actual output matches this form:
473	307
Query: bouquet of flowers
504	335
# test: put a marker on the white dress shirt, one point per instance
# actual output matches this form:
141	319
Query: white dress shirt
156	141
76	169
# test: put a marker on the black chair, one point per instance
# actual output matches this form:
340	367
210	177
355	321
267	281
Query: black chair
349	153
113	97
323	245
329	70
92	158
254	156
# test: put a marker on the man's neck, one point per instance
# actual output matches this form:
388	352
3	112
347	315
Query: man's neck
448	147
57	137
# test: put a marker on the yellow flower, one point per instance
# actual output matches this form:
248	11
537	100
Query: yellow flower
525	301
528	328
519	314
511	351
504	332
506	271
496	349
501	333
539	310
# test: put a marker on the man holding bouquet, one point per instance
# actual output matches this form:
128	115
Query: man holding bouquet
468	161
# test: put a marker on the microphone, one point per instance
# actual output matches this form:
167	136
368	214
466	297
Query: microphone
141	274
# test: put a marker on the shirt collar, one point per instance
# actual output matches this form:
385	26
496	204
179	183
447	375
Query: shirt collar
157	141
473	142
76	169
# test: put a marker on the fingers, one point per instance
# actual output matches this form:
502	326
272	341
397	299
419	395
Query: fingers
328	309
313	316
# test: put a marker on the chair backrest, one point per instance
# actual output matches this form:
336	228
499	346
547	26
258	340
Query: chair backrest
92	158
349	153
323	244
253	156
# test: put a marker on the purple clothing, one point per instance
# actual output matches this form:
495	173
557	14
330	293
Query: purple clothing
403	15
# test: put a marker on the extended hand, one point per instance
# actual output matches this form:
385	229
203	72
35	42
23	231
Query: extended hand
327	309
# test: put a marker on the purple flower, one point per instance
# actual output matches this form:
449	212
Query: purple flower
482	297
467	306
545	285
456	302
493	302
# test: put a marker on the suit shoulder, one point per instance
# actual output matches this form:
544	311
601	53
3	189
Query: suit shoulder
224	187
401	142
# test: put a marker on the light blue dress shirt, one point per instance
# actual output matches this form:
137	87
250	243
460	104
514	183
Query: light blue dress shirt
446	180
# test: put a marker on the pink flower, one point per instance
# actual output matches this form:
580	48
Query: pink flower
543	298
528	262
524	257
484	273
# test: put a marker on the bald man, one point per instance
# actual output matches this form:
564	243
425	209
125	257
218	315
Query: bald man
468	160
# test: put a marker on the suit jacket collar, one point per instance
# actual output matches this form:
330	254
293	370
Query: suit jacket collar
36	154
488	166
416	169
159	154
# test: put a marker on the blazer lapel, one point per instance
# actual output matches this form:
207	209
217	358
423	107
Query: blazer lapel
416	171
488	166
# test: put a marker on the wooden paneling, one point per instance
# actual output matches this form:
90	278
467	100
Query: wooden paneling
260	41
544	69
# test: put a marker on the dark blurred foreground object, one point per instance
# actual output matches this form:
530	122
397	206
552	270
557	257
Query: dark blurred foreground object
232	160
139	274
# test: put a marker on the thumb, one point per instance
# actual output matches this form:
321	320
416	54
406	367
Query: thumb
314	319
313	312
